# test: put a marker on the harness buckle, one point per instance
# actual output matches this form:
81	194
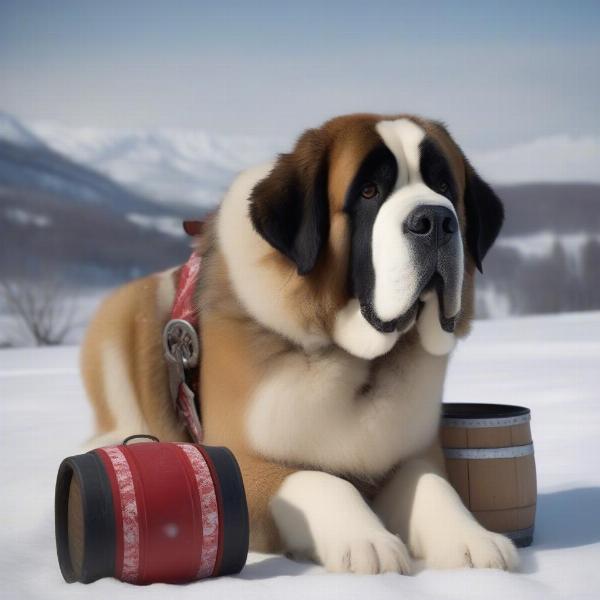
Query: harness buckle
182	349
181	344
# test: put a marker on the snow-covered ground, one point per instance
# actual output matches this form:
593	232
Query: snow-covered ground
551	364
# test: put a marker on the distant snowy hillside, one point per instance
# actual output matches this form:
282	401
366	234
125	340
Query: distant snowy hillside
195	166
27	163
553	158
62	218
11	130
166	165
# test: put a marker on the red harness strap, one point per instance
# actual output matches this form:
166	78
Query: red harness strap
183	306
182	349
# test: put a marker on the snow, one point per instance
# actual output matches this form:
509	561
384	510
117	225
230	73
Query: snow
492	302
167	225
164	164
547	363
194	166
542	245
14	132
558	157
24	217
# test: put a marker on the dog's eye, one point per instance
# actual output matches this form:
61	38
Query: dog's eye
369	190
443	187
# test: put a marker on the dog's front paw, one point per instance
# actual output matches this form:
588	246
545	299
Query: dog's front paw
472	546
325	518
375	551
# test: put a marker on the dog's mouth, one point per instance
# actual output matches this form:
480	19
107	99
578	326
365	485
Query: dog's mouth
447	299
400	323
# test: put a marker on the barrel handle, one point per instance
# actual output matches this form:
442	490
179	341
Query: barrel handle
140	436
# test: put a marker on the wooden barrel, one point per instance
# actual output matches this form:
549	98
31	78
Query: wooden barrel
490	462
150	512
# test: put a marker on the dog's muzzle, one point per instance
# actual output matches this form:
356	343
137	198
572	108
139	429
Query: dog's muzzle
433	231
432	243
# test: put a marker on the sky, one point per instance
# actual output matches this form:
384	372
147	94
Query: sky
500	74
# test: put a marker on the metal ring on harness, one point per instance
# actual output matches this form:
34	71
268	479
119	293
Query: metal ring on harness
180	343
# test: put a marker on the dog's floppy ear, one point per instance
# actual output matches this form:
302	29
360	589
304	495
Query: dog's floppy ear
289	208
485	215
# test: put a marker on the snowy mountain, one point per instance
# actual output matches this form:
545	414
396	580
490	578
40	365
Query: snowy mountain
12	131
557	158
61	217
26	162
195	166
165	165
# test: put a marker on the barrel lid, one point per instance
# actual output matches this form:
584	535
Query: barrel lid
474	410
473	416
98	518
235	522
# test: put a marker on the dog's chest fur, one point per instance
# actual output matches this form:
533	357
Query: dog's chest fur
335	412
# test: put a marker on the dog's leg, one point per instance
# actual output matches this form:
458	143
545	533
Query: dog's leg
420	504
325	518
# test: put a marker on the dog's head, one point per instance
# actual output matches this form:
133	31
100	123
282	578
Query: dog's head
386	210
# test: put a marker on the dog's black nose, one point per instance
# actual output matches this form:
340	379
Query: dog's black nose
431	224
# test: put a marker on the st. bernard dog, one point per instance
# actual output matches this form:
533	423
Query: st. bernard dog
335	283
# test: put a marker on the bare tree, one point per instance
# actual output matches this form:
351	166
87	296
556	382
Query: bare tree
44	307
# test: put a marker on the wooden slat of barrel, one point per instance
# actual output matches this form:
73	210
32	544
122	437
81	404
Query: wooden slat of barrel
521	434
75	526
492	483
499	437
453	437
486	437
526	476
511	519
501	493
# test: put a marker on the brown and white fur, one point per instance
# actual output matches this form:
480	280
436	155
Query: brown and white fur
331	412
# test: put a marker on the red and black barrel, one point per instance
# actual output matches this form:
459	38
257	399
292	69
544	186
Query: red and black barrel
151	512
